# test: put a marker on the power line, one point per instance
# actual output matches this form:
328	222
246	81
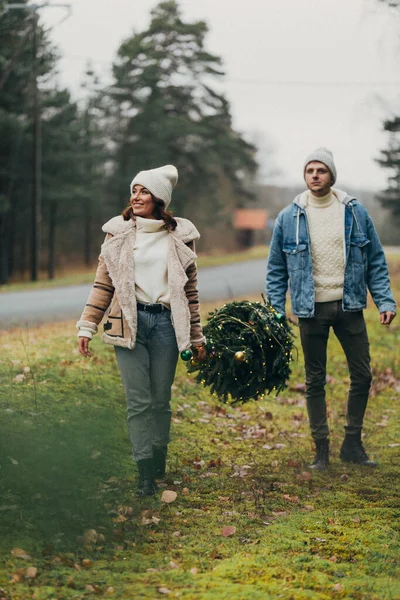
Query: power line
271	82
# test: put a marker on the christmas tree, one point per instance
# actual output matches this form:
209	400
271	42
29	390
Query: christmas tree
249	349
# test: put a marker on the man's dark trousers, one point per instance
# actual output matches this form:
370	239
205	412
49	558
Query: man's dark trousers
351	331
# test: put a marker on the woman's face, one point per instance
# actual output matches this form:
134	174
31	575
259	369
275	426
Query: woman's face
142	202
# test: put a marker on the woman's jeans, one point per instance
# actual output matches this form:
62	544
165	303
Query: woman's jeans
147	374
351	331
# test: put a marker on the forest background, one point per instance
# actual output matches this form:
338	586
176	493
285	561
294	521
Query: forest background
65	163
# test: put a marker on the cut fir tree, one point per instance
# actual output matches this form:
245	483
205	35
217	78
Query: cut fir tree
249	349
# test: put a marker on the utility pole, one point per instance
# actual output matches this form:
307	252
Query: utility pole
36	206
36	161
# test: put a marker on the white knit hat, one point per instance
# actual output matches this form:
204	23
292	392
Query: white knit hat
323	155
160	182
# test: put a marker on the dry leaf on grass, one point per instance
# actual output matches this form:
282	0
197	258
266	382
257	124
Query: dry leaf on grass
168	496
20	553
31	572
228	530
163	590
19	378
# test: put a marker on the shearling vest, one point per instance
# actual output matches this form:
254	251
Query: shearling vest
113	292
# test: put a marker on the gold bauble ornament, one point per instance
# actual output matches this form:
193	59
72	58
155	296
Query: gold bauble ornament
194	362
239	356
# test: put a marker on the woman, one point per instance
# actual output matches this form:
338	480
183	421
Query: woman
147	279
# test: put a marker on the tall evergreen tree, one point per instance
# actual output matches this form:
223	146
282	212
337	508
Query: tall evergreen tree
167	110
390	160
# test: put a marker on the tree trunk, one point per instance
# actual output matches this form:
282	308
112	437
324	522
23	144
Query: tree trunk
88	232
3	250
52	240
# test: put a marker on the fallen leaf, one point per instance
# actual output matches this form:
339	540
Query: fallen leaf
31	572
87	563
13	461
337	587
163	590
228	530
344	477
120	519
89	538
125	510
18	576
19	378
168	496
19	553
95	454
177	533
194	570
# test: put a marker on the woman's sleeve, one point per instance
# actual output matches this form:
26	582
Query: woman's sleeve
99	299
192	295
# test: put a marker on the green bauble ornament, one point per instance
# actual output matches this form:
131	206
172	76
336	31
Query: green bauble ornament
186	355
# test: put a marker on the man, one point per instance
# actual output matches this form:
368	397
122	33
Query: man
326	248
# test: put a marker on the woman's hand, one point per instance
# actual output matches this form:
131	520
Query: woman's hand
83	345
200	353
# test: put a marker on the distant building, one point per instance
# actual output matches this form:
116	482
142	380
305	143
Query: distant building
250	225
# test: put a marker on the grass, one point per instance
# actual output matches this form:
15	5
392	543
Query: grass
79	275
67	502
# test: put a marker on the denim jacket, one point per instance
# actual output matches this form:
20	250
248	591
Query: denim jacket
290	262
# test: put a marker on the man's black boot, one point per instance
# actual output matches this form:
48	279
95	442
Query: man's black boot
321	459
159	460
147	486
352	450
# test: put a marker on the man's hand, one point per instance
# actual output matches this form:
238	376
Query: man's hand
83	345
200	353
387	317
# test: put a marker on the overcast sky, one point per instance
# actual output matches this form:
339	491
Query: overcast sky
299	73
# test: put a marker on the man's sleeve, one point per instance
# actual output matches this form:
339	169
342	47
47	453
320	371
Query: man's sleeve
277	274
378	274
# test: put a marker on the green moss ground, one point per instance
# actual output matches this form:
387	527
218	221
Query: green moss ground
65	468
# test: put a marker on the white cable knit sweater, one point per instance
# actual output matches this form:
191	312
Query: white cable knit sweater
150	255
326	224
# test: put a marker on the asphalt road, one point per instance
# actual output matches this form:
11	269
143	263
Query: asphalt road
23	309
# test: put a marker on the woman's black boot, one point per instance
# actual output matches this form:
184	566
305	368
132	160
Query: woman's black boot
159	461
147	486
321	459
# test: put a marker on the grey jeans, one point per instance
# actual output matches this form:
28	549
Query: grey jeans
351	331
147	374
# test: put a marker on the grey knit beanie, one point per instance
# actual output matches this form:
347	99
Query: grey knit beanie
160	182
323	155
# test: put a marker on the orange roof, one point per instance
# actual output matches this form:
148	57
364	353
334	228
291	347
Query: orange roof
250	218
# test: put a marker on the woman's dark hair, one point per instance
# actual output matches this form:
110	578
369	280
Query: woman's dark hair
159	213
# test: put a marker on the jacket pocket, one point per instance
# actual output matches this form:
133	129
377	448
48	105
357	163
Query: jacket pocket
295	257
358	252
114	326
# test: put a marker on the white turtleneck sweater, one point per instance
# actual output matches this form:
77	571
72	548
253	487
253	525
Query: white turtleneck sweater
150	254
326	224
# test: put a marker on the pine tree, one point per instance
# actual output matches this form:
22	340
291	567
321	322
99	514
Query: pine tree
390	159
167	110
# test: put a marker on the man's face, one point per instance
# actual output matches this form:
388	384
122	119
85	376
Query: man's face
318	178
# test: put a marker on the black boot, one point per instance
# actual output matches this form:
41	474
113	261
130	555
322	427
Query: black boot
159	459
321	459
147	485
352	450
